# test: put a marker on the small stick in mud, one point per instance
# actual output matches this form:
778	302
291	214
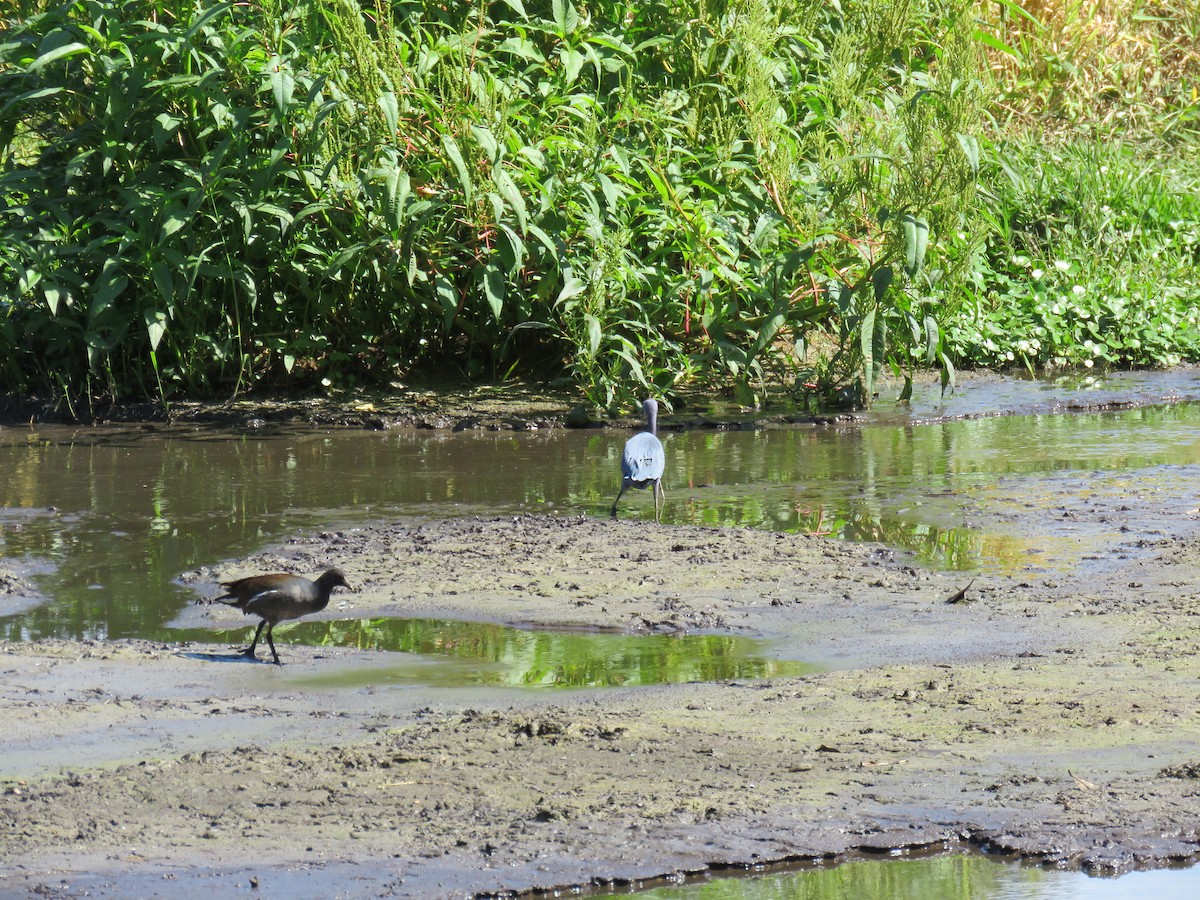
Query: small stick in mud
278	597
960	596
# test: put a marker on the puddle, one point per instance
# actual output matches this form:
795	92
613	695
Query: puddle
971	877
461	654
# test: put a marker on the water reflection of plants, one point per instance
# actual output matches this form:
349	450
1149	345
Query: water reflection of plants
970	877
949	548
515	656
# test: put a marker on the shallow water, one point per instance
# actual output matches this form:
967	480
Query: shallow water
456	654
105	522
970	877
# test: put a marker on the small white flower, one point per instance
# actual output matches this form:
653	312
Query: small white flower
1087	363
1037	273
1061	265
1079	290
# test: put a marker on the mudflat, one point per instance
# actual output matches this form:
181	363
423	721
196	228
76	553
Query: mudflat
1049	715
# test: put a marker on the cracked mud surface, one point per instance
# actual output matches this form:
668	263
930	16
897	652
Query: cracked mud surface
1053	717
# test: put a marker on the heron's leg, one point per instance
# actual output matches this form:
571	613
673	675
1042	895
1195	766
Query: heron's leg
624	484
249	651
660	500
271	644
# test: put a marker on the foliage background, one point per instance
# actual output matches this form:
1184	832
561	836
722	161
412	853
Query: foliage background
201	198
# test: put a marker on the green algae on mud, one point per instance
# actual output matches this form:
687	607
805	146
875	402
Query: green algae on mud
1051	717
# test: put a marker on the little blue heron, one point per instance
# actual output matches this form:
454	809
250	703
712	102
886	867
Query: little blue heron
643	461
276	598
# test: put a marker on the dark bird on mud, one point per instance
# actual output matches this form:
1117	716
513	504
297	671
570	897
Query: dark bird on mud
276	598
643	462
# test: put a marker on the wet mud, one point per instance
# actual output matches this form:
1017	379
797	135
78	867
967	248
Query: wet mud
1046	715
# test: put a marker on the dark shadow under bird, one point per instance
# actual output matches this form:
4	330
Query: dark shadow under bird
277	598
643	461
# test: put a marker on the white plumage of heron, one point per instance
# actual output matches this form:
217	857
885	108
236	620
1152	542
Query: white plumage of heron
643	461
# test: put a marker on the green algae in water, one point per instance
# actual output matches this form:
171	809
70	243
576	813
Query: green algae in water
450	654
966	877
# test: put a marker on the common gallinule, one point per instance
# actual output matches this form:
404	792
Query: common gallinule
643	461
276	598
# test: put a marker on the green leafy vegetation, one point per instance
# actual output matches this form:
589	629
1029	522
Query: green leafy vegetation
201	198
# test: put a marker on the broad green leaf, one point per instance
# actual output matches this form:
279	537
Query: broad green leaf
767	332
283	84
522	47
572	61
510	248
545	240
37	94
245	280
916	239
448	298
995	43
534	155
460	166
497	205
866	337
571	288
593	334
915	330
493	288
205	17
512	195
609	190
932	339
970	149
156	325
64	52
487	142
566	17
635	368
389	105
107	287
165	128
398	189
947	373
881	280
53	294
163	283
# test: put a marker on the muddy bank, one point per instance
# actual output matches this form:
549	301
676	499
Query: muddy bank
1050	717
511	407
